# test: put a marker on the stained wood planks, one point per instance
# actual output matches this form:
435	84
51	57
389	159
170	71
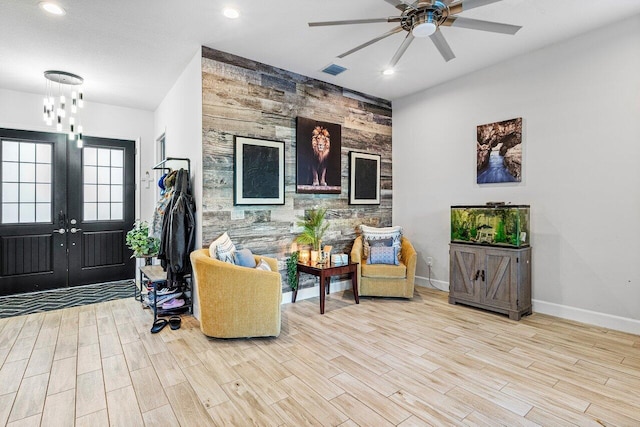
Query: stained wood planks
246	98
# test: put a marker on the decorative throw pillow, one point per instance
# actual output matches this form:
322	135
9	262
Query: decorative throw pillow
370	243
226	250
212	247
374	233
383	255
245	258
263	265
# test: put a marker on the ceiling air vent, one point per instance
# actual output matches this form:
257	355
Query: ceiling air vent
334	69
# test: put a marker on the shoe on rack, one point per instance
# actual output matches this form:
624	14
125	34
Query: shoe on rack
174	303
165	291
161	299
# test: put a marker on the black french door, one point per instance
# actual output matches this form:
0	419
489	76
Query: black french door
64	211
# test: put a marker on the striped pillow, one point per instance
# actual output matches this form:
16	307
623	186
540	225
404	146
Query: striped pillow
225	249
372	233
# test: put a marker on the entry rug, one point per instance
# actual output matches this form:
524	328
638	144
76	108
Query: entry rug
37	302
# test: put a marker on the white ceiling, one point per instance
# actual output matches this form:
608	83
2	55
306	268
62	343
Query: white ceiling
131	52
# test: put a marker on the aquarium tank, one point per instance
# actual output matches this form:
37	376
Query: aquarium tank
491	224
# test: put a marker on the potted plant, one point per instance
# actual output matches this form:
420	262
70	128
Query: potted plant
139	241
292	274
314	226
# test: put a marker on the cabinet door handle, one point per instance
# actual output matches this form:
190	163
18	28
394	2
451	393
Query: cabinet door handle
482	274
477	274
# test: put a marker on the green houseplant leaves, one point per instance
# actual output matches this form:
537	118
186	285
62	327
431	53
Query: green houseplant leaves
139	241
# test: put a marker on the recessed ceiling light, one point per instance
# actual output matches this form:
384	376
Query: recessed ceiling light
230	13
388	72
52	8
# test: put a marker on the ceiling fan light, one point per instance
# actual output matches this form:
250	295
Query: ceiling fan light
424	30
388	72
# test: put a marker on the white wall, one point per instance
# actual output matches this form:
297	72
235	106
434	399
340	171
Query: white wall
21	110
179	117
580	104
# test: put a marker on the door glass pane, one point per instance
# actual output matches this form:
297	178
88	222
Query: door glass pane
27	172
43	153
10	172
9	213
117	175
10	192
10	151
116	211
43	193
90	175
90	156
104	211
27	212
104	157
43	212
104	175
117	158
24	164
43	173
104	193
27	152
27	193
90	211
90	193
116	193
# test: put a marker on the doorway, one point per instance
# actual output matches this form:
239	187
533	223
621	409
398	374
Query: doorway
64	211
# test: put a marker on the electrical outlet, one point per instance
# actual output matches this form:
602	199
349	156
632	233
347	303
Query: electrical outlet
429	261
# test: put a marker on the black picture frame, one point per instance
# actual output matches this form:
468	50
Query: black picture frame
318	171
258	172
364	178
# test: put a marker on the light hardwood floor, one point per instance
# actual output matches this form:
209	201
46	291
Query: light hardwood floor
383	362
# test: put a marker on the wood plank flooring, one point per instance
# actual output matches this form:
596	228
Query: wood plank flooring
383	362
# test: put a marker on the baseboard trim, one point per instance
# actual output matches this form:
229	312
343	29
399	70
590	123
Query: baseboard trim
623	324
314	291
618	323
604	320
432	284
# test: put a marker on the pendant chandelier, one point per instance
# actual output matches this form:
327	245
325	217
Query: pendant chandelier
61	107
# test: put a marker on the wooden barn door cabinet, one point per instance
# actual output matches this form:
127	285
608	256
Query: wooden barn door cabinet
493	278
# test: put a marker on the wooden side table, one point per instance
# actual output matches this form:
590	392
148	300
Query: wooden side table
324	272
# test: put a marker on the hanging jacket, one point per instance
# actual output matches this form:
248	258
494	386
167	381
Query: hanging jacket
178	231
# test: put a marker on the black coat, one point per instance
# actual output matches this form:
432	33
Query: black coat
178	231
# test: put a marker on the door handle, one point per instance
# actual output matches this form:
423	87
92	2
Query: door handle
477	274
60	230
75	230
482	275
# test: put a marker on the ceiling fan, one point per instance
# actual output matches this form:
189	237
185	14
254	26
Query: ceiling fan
424	19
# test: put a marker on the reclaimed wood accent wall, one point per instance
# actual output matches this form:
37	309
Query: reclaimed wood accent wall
241	97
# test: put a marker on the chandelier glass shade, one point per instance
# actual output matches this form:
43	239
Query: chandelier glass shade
63	100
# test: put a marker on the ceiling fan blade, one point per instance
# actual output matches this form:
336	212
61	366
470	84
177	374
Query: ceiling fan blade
355	21
401	50
372	41
400	5
459	6
477	24
441	44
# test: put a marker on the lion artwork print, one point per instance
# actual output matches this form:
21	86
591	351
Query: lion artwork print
321	143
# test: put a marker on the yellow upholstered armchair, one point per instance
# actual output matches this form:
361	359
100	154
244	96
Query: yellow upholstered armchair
382	280
237	301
